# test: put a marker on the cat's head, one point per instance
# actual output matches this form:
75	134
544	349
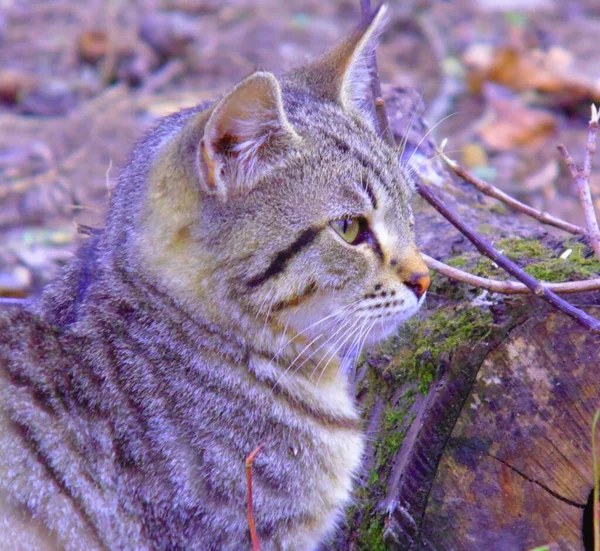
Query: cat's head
281	206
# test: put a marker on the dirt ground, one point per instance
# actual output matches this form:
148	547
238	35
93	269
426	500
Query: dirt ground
505	81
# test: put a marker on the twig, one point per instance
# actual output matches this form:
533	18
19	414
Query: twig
582	180
487	249
253	535
508	287
23	184
493	191
173	69
482	244
384	126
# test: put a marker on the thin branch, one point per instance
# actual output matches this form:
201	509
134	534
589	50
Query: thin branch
384	126
24	184
173	69
253	535
487	249
582	180
493	191
508	287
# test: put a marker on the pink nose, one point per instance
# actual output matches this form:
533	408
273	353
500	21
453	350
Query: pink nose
418	283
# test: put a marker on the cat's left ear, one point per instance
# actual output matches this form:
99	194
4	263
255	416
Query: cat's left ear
246	134
342	75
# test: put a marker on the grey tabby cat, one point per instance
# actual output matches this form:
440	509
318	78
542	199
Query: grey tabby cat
252	247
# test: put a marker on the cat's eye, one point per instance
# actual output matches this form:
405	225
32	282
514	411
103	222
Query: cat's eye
349	229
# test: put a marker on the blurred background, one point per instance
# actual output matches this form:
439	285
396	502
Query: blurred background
504	80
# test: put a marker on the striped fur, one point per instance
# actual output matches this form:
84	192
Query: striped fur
218	310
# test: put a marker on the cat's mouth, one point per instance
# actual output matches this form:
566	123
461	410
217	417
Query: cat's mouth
388	324
386	314
343	331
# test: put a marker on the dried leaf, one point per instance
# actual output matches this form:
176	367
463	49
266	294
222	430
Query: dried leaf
509	124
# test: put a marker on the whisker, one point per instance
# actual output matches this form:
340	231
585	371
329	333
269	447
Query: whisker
412	169
342	327
311	355
268	314
361	345
344	338
336	313
413	118
262	304
427	134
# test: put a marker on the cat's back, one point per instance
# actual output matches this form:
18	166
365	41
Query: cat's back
48	484
28	344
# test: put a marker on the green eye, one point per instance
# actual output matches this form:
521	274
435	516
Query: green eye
348	228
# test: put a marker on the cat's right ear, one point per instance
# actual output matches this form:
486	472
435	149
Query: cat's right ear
246	134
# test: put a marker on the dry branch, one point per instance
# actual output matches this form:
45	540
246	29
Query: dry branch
253	535
508	287
493	191
487	249
582	180
171	70
24	184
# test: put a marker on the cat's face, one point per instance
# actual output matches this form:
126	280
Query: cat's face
324	243
303	220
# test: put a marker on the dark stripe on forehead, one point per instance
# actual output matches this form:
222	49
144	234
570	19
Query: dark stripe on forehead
359	156
366	184
282	258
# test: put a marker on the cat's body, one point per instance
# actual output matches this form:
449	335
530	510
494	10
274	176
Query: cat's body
212	315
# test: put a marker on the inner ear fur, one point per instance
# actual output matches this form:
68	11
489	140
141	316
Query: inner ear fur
246	134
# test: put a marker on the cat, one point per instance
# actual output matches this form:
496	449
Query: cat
252	247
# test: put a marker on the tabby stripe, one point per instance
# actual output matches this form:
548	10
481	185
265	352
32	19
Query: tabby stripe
360	157
297	299
273	386
369	189
321	417
283	257
35	449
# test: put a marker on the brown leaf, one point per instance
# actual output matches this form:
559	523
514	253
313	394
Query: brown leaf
522	69
508	124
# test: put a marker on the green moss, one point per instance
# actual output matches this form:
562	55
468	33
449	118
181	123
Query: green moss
374	477
550	270
371	536
523	249
538	260
437	338
485	268
458	261
575	266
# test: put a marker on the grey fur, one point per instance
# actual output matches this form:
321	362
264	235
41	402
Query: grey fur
134	389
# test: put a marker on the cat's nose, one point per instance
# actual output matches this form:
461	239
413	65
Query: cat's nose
413	271
418	283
